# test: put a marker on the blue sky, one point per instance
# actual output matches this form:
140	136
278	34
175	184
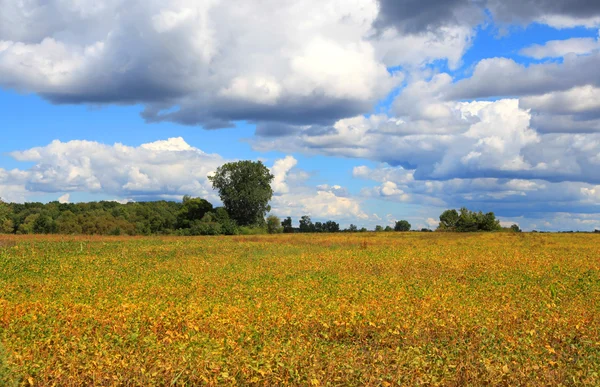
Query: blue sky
367	111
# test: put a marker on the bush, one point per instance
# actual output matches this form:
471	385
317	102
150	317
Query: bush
274	225
205	228
248	230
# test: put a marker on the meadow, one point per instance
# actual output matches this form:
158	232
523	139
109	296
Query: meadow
376	309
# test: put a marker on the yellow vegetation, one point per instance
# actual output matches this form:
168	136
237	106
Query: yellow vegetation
343	309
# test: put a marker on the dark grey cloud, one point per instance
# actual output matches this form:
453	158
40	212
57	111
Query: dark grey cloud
528	10
415	16
501	77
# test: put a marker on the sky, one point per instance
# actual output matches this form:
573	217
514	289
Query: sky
366	111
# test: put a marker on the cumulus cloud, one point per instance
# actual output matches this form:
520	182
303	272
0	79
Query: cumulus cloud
489	139
66	198
169	168
497	77
280	170
414	16
418	16
560	48
319	204
556	13
181	59
296	198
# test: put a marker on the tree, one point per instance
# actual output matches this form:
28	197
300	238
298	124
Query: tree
319	227
287	226
448	220
306	225
468	221
378	228
388	229
6	223
352	228
7	226
515	228
245	190
331	226
274	225
192	209
402	225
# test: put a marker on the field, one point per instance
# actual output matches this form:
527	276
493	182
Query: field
343	309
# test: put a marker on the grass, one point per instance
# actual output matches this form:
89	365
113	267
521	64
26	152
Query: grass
345	309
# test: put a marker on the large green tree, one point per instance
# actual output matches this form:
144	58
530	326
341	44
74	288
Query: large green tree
245	190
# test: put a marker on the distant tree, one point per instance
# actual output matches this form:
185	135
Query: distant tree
331	226
245	190
468	221
448	220
515	228
363	229
378	228
319	227
274	225
192	209
425	230
6	223
287	225
388	229
352	228
402	225
306	225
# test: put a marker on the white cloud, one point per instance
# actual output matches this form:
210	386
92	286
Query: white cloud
280	170
560	48
64	198
163	168
181	59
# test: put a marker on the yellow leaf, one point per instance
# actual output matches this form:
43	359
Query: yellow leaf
505	369
30	380
315	382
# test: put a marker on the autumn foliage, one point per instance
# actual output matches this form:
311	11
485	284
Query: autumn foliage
374	309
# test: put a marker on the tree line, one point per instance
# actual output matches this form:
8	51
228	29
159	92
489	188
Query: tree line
245	191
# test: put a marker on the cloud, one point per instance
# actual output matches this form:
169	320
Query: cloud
560	48
169	168
416	17
321	204
497	77
181	59
413	16
280	170
293	197
64	198
555	13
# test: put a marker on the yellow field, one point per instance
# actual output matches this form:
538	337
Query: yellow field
363	309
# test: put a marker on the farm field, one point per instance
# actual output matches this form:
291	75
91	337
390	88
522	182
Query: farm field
342	309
